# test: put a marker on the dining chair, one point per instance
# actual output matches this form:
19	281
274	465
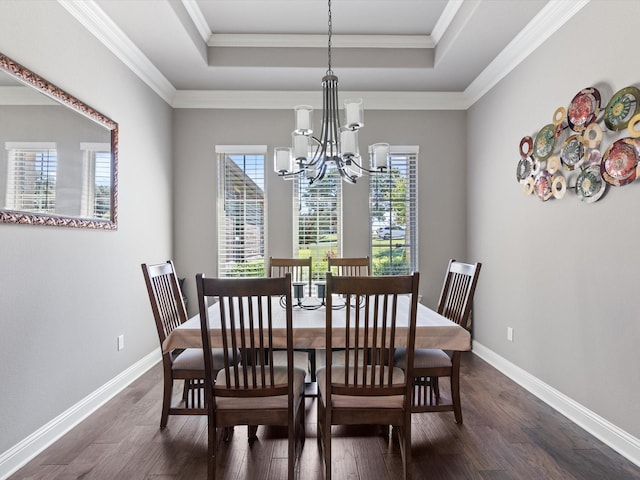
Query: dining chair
456	299
301	271
370	389
187	364
350	267
250	389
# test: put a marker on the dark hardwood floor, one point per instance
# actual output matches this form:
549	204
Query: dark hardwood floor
507	434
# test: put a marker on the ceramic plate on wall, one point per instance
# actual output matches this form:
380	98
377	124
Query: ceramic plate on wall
525	167
583	109
589	185
620	162
572	154
623	105
545	142
542	186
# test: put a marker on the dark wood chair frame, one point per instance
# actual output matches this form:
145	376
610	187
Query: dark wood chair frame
169	312
456	299
246	331
368	329
349	266
278	267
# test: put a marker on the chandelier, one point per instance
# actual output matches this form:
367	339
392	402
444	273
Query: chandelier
337	146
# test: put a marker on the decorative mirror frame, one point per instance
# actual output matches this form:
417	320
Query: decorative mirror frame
12	216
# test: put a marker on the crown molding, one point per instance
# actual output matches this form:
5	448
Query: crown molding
197	17
277	100
93	18
552	16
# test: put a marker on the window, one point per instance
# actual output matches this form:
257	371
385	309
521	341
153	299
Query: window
241	211
317	220
393	212
96	185
31	180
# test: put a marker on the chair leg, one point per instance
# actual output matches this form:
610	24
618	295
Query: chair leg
455	387
166	397
211	448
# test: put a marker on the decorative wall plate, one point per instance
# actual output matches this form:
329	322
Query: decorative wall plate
525	167
553	164
623	105
589	185
583	109
542	186
526	145
545	141
620	162
572	154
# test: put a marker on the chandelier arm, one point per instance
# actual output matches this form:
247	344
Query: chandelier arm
364	169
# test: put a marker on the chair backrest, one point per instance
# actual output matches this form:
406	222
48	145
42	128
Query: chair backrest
299	268
456	298
165	297
349	267
244	319
370	320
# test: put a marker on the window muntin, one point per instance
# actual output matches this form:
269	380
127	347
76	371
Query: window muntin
241	214
393	217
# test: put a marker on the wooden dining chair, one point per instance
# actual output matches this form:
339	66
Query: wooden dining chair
371	389
250	389
301	271
349	267
455	303
188	364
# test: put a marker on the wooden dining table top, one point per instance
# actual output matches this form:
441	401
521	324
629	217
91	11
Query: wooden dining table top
309	328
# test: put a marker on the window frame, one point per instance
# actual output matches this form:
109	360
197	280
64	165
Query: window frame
408	154
226	269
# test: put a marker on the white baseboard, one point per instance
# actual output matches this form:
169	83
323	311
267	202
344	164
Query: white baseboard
625	444
21	453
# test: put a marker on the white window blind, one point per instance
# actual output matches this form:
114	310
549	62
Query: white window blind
317	220
96	189
31	179
241	213
393	203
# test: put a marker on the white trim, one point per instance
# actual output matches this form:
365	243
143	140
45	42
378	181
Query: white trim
93	18
21	453
197	17
275	100
552	16
443	23
622	442
241	149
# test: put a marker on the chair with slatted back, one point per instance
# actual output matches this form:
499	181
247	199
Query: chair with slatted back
250	389
349	267
368	390
455	303
301	271
169	312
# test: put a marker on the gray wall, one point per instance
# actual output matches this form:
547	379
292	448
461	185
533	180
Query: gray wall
442	184
563	274
66	294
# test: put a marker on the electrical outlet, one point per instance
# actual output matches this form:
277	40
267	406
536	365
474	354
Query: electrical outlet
510	334
120	342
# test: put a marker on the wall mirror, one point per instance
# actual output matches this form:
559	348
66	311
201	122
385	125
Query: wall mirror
58	156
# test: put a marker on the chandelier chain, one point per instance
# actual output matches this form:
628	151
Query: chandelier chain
329	71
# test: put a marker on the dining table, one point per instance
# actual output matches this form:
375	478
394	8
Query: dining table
309	327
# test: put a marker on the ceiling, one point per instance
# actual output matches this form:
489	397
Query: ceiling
273	53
